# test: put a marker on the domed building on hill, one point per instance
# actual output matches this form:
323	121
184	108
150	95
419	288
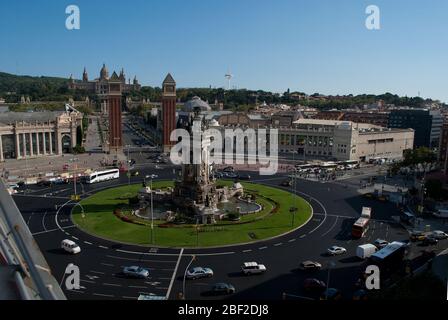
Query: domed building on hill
196	104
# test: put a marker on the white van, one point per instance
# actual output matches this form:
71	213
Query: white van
70	246
365	250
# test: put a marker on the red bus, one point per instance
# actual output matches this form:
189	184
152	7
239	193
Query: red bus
360	227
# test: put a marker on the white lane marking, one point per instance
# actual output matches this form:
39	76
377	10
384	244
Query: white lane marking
88	281
262	248
75	238
161	288
52	230
73	290
174	254
104	295
103	247
143	260
291	240
57	213
28	222
43	221
302	236
174	274
331	228
87	242
37	196
138	287
336	215
247	250
312	210
97	272
107	264
111	284
212	254
126	297
278	244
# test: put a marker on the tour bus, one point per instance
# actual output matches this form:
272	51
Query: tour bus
104	175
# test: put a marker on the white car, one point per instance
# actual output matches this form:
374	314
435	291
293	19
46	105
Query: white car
253	268
335	250
439	235
70	246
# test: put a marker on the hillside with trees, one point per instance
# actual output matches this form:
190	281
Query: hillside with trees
13	87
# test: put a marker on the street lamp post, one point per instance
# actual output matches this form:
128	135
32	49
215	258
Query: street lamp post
293	209
330	265
129	166
185	275
152	217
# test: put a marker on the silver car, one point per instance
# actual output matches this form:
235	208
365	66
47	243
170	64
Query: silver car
199	272
439	235
335	250
136	272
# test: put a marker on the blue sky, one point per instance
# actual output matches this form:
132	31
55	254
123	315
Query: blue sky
306	45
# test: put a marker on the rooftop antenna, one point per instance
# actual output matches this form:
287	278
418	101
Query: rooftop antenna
229	77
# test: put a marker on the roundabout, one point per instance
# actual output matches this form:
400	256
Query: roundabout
276	217
334	208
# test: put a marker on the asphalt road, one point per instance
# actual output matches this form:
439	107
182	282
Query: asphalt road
335	208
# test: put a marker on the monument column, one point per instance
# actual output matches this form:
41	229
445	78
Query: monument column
17	145
114	104
168	111
31	145
51	142
24	145
1	149
59	142
44	137
37	143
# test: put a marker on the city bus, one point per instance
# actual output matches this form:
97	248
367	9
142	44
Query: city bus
328	166
351	164
390	257
303	168
360	227
104	175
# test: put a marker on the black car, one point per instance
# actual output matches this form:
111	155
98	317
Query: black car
223	288
286	183
244	176
430	241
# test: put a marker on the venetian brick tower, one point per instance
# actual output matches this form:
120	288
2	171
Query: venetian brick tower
114	103
168	111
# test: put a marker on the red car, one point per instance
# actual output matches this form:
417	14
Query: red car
313	284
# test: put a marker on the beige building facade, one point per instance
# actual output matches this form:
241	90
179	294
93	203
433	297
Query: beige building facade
25	135
343	140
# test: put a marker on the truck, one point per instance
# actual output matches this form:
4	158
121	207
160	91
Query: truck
366	212
364	251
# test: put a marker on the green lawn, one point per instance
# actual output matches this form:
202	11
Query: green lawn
100	220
